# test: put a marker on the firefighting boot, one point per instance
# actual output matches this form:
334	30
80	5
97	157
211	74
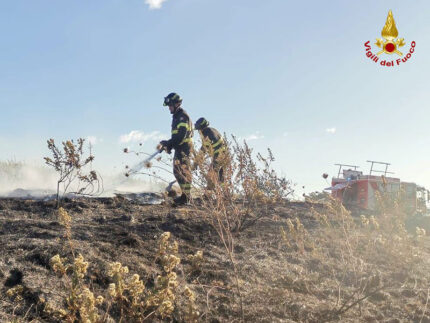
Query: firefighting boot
181	200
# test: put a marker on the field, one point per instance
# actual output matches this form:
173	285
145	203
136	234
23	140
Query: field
301	262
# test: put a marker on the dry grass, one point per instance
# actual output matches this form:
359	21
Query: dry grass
357	264
126	299
241	252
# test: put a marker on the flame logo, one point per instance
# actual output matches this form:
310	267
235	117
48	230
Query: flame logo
390	45
390	31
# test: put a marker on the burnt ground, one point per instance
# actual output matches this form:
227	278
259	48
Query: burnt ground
276	284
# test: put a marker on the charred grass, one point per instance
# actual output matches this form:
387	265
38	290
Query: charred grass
299	262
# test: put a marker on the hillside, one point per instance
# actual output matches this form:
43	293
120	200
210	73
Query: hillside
287	269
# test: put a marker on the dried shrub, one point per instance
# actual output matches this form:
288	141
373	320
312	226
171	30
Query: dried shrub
196	260
358	259
70	162
80	302
250	189
126	299
251	186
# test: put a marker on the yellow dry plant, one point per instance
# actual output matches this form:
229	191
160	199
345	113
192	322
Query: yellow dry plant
196	260
191	312
128	291
126	294
80	301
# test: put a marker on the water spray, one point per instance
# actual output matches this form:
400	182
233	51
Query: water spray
135	169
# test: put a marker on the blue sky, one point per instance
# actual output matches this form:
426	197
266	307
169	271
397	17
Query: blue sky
292	76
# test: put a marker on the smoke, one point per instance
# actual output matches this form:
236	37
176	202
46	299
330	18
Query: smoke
19	175
37	180
118	183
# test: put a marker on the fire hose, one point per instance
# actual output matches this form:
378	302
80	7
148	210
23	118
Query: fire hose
135	169
143	163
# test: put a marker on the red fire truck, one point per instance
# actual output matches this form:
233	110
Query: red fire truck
355	189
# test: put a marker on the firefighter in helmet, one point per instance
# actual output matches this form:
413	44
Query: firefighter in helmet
213	144
181	142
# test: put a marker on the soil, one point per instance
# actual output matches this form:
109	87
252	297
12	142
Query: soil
106	230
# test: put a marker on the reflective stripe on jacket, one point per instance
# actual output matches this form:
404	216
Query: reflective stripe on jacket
212	138
182	130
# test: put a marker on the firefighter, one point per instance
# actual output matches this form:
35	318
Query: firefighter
181	142
212	143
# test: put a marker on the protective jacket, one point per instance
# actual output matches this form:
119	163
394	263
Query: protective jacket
182	131
212	138
213	143
181	141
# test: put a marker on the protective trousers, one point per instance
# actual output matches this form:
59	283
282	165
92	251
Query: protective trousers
182	168
217	167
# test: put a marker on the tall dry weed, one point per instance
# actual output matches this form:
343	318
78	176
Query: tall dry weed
71	163
250	189
362	258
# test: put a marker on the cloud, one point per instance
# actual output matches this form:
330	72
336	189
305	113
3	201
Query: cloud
330	130
93	140
255	136
140	136
285	134
155	4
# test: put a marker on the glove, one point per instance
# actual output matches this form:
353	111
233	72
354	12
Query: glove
164	145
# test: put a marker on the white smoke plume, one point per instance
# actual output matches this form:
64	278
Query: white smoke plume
19	175
37	180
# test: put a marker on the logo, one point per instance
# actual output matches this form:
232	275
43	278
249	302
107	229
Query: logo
389	44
